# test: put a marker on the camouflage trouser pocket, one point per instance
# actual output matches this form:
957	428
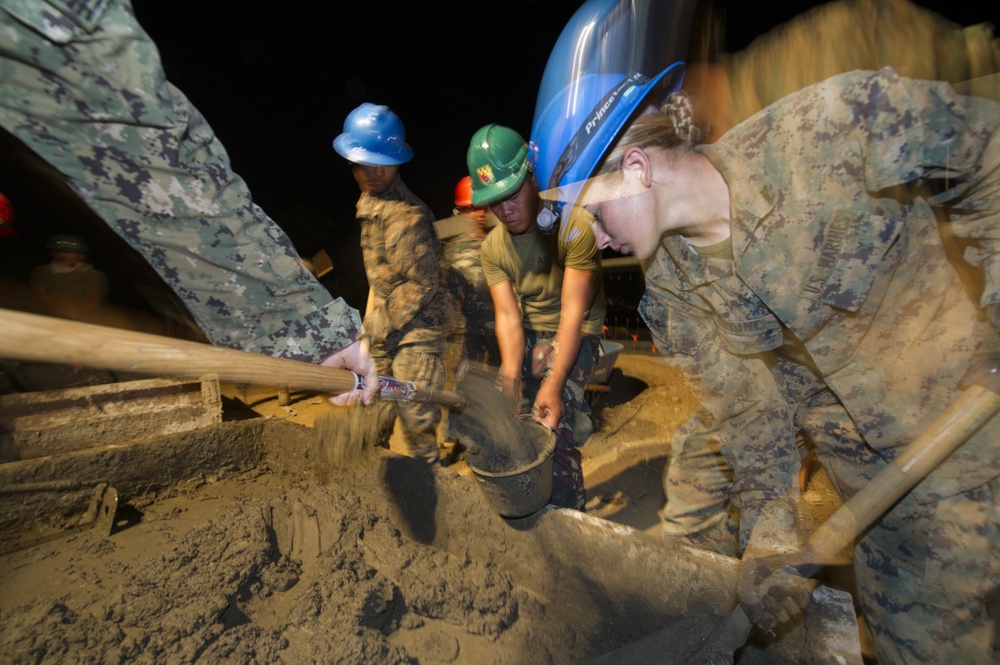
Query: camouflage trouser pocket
575	425
419	420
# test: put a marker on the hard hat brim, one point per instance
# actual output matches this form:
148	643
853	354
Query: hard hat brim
583	163
348	148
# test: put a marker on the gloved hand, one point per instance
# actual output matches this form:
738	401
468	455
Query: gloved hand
775	588
984	370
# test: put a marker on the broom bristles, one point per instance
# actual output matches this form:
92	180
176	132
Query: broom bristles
487	427
343	437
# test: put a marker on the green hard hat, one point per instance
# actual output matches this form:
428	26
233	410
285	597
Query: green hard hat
63	242
498	163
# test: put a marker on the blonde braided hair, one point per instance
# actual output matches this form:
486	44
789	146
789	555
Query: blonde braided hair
671	127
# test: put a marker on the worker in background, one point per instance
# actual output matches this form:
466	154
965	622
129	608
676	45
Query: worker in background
800	276
548	299
84	89
474	339
462	235
69	286
409	315
7	229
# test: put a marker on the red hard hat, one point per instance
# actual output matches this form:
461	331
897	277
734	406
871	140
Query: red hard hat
6	217
463	193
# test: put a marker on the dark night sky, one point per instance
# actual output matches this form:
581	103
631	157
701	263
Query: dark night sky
276	80
277	86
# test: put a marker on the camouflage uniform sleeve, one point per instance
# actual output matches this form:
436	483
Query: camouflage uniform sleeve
922	131
83	87
973	204
411	248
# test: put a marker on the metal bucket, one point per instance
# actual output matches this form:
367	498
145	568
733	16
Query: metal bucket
526	489
606	361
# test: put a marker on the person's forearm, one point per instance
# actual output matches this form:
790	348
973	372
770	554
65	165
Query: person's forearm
509	329
568	341
510	338
577	294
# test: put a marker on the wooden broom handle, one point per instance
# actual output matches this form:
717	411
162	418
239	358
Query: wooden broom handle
943	437
46	339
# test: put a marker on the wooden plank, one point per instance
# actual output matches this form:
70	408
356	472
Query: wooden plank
59	421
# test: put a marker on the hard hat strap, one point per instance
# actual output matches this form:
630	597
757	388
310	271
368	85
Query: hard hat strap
585	134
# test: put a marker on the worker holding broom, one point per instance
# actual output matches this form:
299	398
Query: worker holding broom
548	299
409	314
800	274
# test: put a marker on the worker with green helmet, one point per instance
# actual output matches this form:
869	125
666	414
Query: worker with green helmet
409	315
548	299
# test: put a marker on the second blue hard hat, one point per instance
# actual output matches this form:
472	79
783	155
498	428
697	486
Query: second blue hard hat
373	136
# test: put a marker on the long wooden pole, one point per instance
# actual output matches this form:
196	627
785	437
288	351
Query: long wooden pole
45	339
943	437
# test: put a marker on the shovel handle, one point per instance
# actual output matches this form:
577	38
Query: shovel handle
943	437
399	390
46	339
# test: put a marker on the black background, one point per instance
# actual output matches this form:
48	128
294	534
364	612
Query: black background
276	80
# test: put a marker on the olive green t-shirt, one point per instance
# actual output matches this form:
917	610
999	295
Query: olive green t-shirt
719	250
534	264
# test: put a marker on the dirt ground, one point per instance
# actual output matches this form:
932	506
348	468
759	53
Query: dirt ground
230	558
623	462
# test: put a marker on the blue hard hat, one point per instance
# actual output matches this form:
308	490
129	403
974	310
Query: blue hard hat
611	58
373	136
